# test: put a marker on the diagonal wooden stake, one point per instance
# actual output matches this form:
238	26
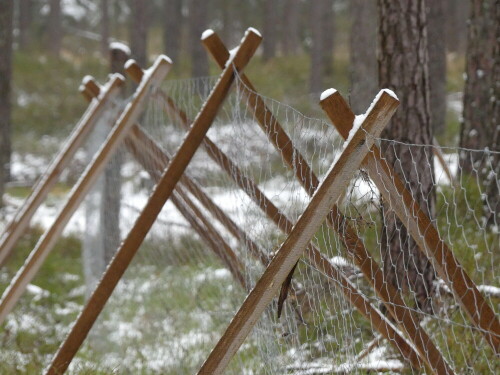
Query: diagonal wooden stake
407	321
38	255
290	251
160	195
21	220
318	260
149	155
421	229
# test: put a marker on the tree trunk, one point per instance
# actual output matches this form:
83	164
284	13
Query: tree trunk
139	31
110	207
270	29
457	13
328	21
198	23
317	52
104	26
363	64
55	28
172	28
6	24
403	68
290	32
476	129
25	18
492	205
437	64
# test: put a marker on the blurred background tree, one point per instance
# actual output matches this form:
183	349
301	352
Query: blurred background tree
308	46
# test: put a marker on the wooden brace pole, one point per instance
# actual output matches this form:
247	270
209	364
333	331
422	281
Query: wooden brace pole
391	298
160	195
318	260
149	155
290	251
21	220
38	255
421	229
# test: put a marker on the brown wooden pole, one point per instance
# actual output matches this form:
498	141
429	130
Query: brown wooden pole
391	298
148	154
46	243
377	319
160	195
284	224
329	191
421	229
21	220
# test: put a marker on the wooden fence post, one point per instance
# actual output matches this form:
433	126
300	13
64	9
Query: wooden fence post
421	229
149	155
391	298
160	195
285	225
336	180
21	220
37	256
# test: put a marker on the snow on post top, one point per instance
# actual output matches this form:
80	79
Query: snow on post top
87	79
325	94
206	34
255	31
117	76
391	93
165	57
121	46
129	63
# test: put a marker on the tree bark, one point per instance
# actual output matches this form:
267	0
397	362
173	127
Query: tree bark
270	29
328	21
111	196
198	23
363	64
437	64
172	28
55	27
25	18
317	8
139	31
6	24
104	26
457	13
290	32
403	68
476	131
492	205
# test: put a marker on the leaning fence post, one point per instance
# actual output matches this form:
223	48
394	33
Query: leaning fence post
21	220
391	298
336	180
152	158
318	260
38	255
160	195
421	229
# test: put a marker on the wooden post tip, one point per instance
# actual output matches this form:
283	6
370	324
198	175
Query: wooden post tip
134	71
253	31
207	33
326	94
90	86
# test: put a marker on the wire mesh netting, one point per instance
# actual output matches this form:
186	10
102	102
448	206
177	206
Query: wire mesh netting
235	205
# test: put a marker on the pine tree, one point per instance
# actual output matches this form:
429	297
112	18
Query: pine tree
403	68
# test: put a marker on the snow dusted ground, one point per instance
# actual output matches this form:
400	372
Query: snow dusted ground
142	329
